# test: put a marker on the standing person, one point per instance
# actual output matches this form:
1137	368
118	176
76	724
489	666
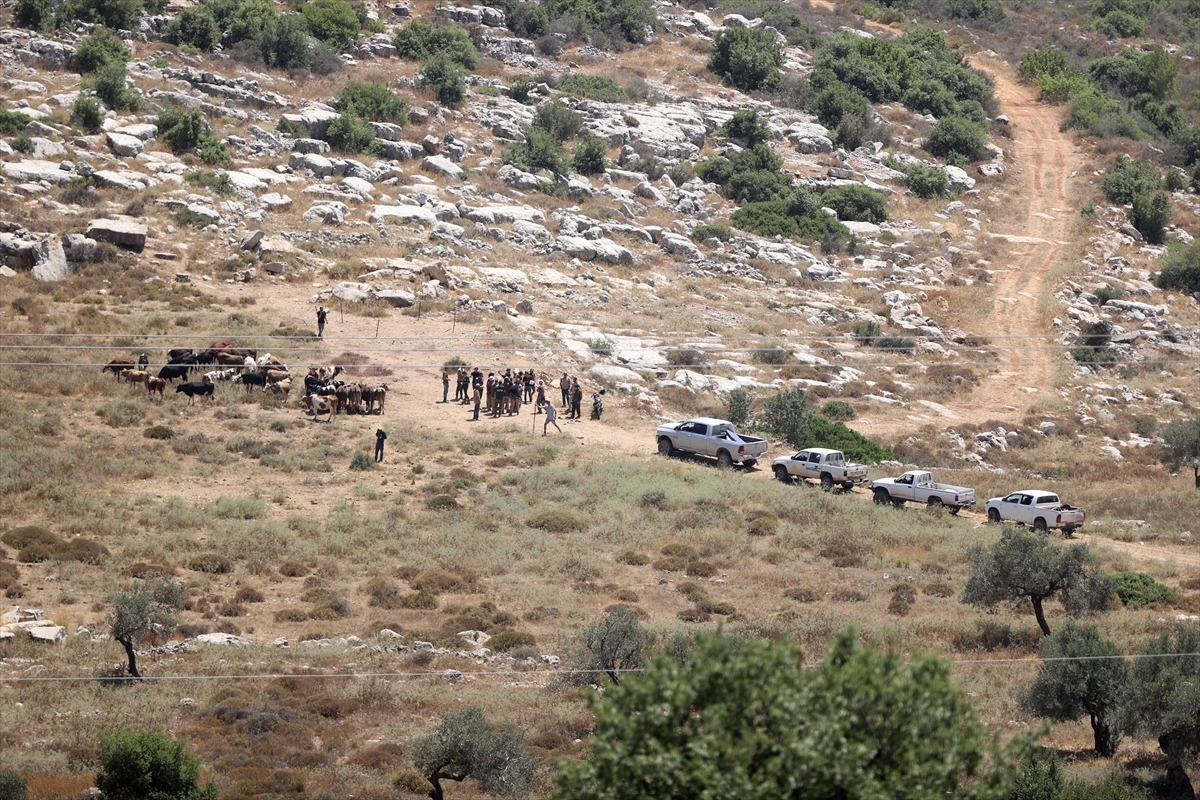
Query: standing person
465	382
477	386
380	438
322	316
541	397
491	392
576	397
564	384
551	417
514	398
445	385
529	381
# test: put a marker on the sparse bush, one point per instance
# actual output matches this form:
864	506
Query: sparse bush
294	569
838	410
593	87
8	574
291	615
330	608
33	554
445	78
704	232
747	58
762	526
362	462
556	521
158	432
419	600
510	640
212	563
121	413
437	581
84	551
633	559
802	595
248	594
441	502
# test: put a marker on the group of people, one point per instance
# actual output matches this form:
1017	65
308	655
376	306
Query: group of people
502	394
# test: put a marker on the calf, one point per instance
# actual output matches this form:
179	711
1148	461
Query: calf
136	376
172	371
318	404
155	385
374	397
277	375
193	388
281	389
249	379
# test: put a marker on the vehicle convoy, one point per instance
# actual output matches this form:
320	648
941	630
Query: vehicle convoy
711	437
828	466
918	487
1040	509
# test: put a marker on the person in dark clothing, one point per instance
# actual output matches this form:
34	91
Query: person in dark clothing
322	316
380	438
478	389
445	385
143	361
576	398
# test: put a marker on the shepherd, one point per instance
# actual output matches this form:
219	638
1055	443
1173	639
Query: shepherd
380	438
322	315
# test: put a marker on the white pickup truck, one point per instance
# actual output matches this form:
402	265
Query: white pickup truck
828	466
919	487
1040	509
711	437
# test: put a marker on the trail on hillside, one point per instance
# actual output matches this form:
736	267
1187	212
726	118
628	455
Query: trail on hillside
1043	158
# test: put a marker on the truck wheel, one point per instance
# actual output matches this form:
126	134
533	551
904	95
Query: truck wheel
826	481
933	503
665	448
781	474
898	502
954	510
724	461
881	497
749	463
1039	525
993	515
848	486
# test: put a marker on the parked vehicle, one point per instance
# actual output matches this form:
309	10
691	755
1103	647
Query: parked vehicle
711	437
1038	508
828	466
918	487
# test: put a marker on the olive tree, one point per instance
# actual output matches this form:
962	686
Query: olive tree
466	746
1027	566
1181	447
149	765
613	644
1162	700
744	718
147	607
1081	673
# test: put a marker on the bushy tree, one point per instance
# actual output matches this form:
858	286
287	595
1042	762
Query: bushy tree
12	786
445	78
115	14
743	718
789	416
1181	445
738	405
746	125
589	155
109	84
747	58
957	137
1150	214
86	113
146	608
36	15
349	134
250	20
99	48
149	765
927	182
286	43
538	149
467	746
1121	25
181	129
1162	700
420	41
333	22
372	101
1027	566
1081	674
556	119
615	643
195	26
1128	177
857	203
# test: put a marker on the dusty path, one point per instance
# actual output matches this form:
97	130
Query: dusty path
1038	235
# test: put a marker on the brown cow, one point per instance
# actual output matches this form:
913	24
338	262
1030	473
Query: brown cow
154	384
275	376
117	366
318	404
136	376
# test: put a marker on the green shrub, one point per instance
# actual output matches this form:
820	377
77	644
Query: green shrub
836	436
746	125
1137	589
373	102
349	134
213	152
976	10
747	58
418	600
23	144
194	26
510	640
704	232
108	82
441	502
83	551
927	182
13	121
211	563
286	43
866	332
86	113
1121	25
957	137
838	410
420	41
1181	268
526	19
362	462
588	157
1133	72
1108	292
159	432
539	150
36	15
99	48
251	18
1037	63
181	129
445	78
1128	177
114	14
148	765
12	786
1150	214
556	119
216	183
800	216
593	87
857	203
333	22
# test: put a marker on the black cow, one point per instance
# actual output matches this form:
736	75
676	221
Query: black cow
243	352
176	352
206	357
184	358
258	378
172	371
193	388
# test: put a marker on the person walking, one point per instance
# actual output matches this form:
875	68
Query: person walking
322	316
445	385
551	417
541	397
380	438
564	384
576	398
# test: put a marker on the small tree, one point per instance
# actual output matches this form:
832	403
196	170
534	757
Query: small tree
747	58
1162	699
556	119
36	15
331	21
737	406
1150	214
788	416
445	78
1066	689
148	607
588	156
1026	566
616	642
956	137
149	765
466	746
195	26
1181	447
98	48
1181	267
748	126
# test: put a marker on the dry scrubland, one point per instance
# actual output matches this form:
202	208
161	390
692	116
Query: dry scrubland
257	511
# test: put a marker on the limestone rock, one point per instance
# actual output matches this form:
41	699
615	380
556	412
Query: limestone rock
403	214
35	170
315	119
353	292
121	231
124	145
275	201
53	264
440	165
397	298
48	633
224	639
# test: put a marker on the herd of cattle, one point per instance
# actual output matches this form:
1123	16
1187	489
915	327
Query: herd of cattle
323	393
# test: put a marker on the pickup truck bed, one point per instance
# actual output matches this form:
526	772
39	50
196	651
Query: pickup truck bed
918	486
715	438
